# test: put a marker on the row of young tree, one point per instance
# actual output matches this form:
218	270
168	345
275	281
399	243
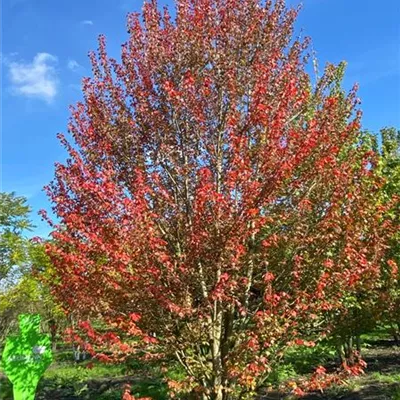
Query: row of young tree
220	205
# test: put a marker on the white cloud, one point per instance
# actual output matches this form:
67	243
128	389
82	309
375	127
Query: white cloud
73	65
87	22
36	79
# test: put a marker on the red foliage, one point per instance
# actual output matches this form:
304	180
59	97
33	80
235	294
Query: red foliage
215	204
128	396
321	379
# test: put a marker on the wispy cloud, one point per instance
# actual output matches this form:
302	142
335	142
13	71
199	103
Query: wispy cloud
37	79
73	65
87	22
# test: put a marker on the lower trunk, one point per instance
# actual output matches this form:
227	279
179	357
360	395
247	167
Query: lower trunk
53	334
216	354
398	334
395	331
340	353
349	349
358	344
220	345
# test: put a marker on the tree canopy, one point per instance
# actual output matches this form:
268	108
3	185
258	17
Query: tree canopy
218	203
14	220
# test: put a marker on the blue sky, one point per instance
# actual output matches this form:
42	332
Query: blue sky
44	56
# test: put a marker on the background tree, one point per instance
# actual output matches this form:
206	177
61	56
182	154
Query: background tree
14	220
21	286
216	205
377	303
389	168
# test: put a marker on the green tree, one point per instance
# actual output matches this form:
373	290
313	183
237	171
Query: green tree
14	220
389	168
23	266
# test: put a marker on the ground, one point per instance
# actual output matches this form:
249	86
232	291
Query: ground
66	380
381	380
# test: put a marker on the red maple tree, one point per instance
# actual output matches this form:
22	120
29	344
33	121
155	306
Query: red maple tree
217	205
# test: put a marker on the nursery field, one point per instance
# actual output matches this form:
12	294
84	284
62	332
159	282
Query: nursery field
87	380
218	216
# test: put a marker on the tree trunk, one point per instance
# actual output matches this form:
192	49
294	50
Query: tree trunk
216	354
398	334
341	353
358	344
395	329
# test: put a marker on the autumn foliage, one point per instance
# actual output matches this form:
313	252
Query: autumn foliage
217	206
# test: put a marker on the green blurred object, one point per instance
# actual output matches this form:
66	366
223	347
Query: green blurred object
26	357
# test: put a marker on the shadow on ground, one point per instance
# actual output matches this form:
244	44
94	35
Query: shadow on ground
383	356
380	382
93	389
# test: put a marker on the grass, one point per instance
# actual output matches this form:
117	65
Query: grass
380	382
67	380
300	361
385	378
366	386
